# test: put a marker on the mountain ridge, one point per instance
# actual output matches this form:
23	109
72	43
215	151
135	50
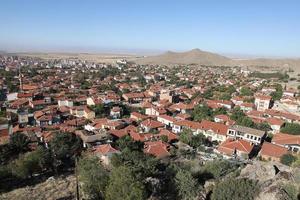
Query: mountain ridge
198	56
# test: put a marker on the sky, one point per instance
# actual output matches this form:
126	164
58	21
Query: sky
235	27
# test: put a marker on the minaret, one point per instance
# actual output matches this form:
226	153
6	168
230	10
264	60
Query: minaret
20	79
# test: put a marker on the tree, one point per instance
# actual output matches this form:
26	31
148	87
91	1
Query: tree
201	112
32	162
123	186
186	185
235	189
19	142
164	138
195	141
237	113
93	176
278	93
263	126
64	146
246	91
291	128
186	136
141	165
127	142
288	159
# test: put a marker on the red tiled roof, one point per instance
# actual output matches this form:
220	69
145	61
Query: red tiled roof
104	149
272	150
274	121
286	139
214	126
152	123
169	134
229	146
157	148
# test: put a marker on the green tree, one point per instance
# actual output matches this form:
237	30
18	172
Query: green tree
202	112
164	138
93	176
64	147
142	165
278	93
123	186
291	128
126	142
186	185
19	142
31	162
186	136
288	159
235	189
246	91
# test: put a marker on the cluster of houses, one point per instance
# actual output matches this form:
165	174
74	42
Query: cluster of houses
52	101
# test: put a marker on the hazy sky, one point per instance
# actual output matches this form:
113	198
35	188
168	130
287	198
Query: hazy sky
254	27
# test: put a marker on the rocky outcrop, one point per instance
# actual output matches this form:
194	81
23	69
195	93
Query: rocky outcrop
272	178
52	189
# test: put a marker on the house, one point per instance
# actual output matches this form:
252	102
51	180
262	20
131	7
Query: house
155	111
245	133
224	119
90	138
138	116
168	95
64	102
262	102
291	142
115	112
246	107
275	124
82	111
23	117
158	149
44	120
105	152
171	136
94	100
272	152
134	98
182	107
289	93
213	131
150	125
167	120
233	148
181	125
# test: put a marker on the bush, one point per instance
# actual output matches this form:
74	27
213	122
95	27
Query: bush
218	168
235	189
287	159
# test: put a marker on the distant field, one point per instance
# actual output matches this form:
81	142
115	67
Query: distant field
99	58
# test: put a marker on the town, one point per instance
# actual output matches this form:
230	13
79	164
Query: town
57	115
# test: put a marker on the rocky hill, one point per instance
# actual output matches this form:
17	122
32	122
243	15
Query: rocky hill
197	56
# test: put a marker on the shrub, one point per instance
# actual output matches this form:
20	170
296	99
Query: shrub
235	189
288	159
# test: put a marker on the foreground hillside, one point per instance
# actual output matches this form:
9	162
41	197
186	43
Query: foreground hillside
54	188
274	180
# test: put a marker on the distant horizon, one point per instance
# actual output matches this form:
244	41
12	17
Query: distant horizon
139	52
252	28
